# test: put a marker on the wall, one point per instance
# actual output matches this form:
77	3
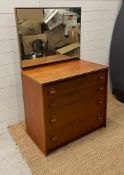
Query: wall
98	18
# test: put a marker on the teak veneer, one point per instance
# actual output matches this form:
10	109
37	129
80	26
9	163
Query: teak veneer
64	101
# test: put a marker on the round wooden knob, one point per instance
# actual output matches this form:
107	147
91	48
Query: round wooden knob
100	117
53	120
52	105
52	91
101	78
100	102
100	88
53	139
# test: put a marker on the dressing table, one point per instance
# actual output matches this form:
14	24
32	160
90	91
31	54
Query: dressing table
65	97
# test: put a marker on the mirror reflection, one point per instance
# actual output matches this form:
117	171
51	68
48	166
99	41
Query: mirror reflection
43	32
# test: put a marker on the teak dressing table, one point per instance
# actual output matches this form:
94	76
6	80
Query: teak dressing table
63	100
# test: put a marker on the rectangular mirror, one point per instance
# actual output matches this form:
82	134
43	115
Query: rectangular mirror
46	35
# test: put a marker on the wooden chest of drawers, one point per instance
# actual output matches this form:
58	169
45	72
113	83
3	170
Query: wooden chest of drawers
64	101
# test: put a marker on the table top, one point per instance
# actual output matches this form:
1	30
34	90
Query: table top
60	71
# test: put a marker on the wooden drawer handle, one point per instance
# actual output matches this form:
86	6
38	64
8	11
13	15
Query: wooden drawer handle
52	91
100	88
101	78
100	102
52	105
53	139
53	120
100	117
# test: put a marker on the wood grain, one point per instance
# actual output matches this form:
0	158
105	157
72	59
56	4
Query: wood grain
64	101
57	72
45	60
34	114
64	87
71	102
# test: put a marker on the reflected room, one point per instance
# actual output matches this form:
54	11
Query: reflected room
44	32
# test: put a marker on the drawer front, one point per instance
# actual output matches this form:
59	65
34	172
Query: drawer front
73	129
71	121
75	83
96	92
74	107
58	118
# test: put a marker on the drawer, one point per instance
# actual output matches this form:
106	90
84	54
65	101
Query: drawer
60	135
95	91
73	112
76	83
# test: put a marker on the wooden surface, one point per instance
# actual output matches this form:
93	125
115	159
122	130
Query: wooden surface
64	87
57	72
44	60
64	101
76	107
34	116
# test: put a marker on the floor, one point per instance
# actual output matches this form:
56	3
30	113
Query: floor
11	160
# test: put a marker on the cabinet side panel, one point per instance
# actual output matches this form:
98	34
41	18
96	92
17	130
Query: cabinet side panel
106	96
34	115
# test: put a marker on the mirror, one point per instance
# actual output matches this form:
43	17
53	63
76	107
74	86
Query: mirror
48	33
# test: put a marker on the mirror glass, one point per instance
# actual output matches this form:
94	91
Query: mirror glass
44	32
